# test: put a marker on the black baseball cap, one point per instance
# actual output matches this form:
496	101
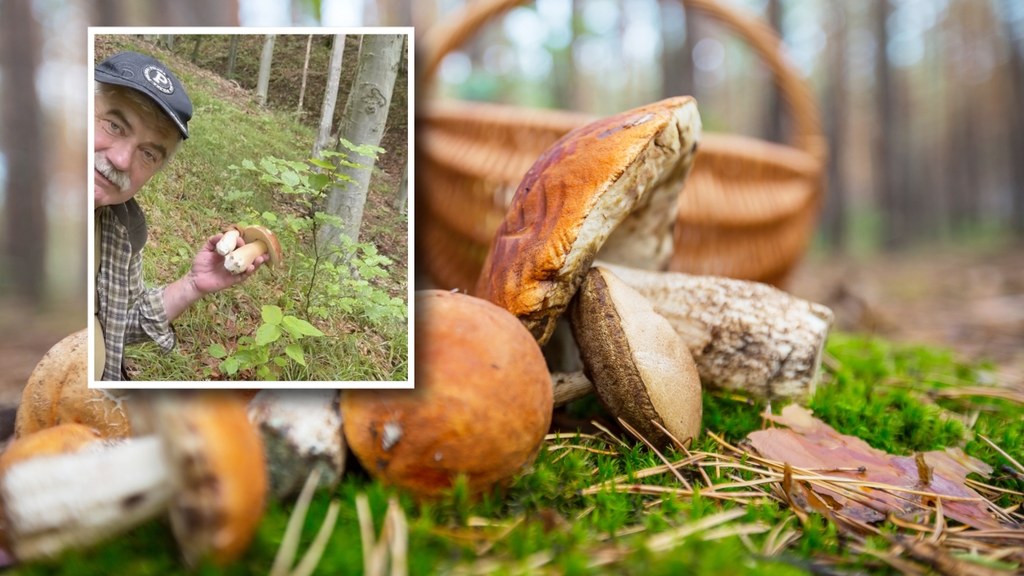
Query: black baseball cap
149	76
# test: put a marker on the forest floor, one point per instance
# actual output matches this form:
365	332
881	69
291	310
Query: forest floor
969	301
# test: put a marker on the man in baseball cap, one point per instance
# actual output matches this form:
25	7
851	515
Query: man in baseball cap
141	119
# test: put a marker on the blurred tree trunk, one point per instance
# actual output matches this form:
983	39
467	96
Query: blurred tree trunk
886	163
563	69
678	33
394	12
772	130
836	111
963	168
232	53
22	141
164	13
323	139
263	82
305	74
1015	86
363	122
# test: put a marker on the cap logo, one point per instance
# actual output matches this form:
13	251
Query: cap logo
158	78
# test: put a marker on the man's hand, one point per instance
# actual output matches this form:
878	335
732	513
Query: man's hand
207	275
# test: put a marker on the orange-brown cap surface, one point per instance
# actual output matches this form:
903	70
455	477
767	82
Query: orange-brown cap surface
254	233
576	194
481	406
61	439
58	392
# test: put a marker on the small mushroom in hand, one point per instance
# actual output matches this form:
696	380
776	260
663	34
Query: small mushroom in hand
229	241
258	241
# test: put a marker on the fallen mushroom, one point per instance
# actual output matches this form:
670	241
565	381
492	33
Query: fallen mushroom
58	392
203	461
258	241
301	432
229	241
481	406
610	186
745	337
641	369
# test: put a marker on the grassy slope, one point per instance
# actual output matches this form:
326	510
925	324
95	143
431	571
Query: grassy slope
880	392
189	201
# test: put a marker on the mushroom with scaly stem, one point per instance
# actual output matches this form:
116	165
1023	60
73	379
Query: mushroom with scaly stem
258	241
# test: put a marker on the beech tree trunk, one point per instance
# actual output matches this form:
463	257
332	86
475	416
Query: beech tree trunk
323	139
232	53
22	130
305	74
402	200
263	82
363	122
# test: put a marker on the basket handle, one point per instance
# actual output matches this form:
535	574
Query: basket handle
444	37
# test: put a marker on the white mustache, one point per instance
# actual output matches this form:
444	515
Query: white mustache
119	178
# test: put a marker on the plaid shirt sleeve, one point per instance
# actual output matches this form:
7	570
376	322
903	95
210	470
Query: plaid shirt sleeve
127	310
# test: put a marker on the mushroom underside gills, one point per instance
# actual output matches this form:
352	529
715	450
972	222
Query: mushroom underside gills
641	369
746	337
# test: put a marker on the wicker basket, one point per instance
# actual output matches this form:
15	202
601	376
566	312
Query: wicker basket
748	209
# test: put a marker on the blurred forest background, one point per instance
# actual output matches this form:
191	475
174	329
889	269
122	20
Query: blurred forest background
921	102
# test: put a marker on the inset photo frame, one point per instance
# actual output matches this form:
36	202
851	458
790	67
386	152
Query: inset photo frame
250	222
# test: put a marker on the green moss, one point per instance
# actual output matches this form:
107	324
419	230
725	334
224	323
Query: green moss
876	390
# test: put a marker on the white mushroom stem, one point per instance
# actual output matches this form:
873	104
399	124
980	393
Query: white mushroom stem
74	500
227	243
240	260
745	337
302	433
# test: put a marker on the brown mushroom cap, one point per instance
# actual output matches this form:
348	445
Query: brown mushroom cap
254	233
58	392
641	369
62	439
481	406
219	455
573	198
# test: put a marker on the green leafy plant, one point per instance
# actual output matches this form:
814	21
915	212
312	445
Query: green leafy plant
277	342
341	278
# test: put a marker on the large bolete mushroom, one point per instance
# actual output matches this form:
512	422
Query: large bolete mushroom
258	241
610	186
58	392
481	406
201	459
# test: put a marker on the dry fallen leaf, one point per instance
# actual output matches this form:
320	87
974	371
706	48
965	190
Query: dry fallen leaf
866	484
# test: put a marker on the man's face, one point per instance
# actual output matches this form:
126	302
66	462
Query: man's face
128	150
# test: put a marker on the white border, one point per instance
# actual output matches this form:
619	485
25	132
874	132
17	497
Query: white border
410	210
